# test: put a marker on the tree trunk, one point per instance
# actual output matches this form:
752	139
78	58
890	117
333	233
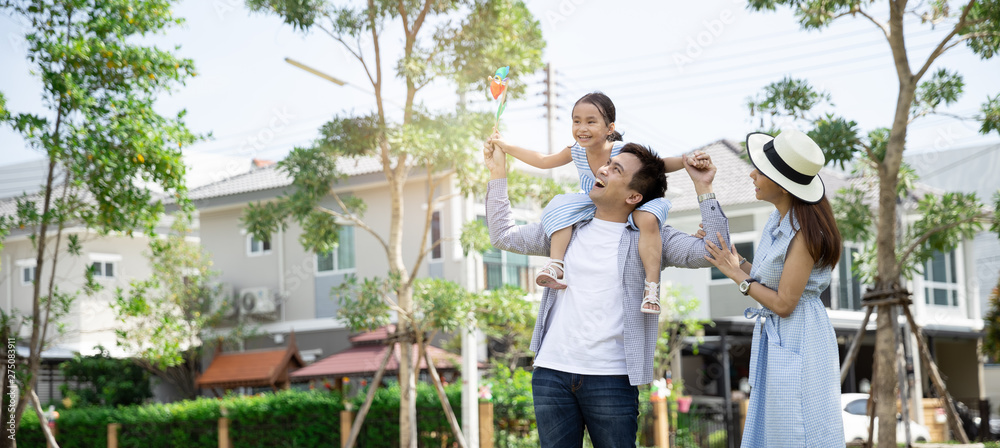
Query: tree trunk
5	333
885	377
404	298
407	378
888	269
36	343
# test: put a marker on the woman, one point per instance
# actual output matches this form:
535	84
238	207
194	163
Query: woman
794	362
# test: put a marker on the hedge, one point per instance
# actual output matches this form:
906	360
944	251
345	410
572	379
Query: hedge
288	418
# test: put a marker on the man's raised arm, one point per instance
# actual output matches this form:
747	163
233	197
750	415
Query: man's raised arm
504	234
683	250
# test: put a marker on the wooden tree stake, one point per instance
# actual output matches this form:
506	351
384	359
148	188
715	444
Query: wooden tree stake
459	436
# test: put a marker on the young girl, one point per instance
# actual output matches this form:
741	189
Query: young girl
596	142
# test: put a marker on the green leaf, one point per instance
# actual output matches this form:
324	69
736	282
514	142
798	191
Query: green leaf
444	305
995	227
984	27
363	304
496	33
811	14
475	237
300	14
945	221
854	217
943	87
991	115
991	340
838	137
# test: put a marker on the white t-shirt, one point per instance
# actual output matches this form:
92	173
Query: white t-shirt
586	329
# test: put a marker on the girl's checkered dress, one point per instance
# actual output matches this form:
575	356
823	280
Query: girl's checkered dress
794	362
567	209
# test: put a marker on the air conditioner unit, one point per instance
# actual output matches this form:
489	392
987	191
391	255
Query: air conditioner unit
257	301
223	301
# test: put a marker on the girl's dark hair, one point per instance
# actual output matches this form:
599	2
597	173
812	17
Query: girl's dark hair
819	228
605	107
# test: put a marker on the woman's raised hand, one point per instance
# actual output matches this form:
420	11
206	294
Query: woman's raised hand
728	261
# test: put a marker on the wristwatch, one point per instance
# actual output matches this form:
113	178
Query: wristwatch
745	286
705	197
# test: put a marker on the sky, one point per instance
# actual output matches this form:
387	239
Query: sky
679	73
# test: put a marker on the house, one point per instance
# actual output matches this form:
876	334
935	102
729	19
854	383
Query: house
971	169
944	299
265	369
366	354
116	260
280	287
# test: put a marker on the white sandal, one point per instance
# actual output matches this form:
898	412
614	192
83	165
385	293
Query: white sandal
548	277
651	296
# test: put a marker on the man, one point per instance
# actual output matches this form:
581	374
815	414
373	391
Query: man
593	344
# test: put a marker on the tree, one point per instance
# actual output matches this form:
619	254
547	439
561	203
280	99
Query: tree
163	317
991	340
104	142
461	41
101	380
946	219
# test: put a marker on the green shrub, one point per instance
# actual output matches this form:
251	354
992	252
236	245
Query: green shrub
381	427
288	418
513	408
101	380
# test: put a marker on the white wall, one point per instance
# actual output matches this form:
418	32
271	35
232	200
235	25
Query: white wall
91	319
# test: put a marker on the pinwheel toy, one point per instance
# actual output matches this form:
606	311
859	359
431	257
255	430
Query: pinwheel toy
498	88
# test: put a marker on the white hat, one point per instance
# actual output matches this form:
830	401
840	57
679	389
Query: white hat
792	160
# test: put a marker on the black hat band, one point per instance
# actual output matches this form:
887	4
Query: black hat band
783	167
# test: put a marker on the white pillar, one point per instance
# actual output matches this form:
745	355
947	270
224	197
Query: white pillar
918	381
470	385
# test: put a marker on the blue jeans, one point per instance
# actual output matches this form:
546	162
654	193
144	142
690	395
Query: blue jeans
565	403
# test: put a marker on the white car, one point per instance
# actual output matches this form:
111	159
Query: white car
855	412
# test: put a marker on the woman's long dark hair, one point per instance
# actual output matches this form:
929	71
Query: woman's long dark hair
819	228
605	107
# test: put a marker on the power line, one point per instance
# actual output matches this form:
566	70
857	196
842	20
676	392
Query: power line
764	76
960	161
825	38
725	57
761	63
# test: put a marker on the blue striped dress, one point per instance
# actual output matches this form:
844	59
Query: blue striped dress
794	362
565	210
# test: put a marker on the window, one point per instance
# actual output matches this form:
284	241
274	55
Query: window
340	259
29	274
105	269
436	236
506	268
104	265
848	284
941	280
29	271
744	249
257	247
857	407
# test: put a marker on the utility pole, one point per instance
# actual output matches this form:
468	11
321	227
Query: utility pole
550	104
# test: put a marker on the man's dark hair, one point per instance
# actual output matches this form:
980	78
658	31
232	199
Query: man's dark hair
651	178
